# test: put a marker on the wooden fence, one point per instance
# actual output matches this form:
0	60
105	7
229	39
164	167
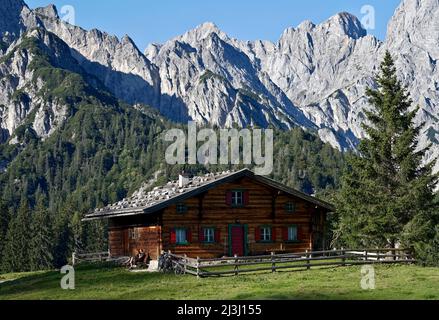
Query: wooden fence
278	262
78	257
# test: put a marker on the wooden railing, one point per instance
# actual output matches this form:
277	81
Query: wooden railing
78	257
302	260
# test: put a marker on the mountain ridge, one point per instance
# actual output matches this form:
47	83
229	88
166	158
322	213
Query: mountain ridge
315	76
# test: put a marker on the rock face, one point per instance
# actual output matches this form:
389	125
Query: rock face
315	76
206	77
119	64
413	37
22	96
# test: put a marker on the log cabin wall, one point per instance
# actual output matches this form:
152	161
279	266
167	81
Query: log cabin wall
129	234
116	242
126	241
266	207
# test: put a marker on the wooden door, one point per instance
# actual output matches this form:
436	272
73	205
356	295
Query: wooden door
237	240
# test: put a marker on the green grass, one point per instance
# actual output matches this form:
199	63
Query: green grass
392	282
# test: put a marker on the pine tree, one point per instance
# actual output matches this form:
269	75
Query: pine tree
77	232
16	251
387	191
4	221
64	242
41	241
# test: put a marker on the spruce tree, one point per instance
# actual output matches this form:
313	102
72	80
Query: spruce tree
41	241
64	242
16	250
4	221
387	191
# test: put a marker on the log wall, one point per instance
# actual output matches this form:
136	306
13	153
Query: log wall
212	211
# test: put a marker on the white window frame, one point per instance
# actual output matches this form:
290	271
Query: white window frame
209	235
133	233
293	231
237	198
181	236
266	234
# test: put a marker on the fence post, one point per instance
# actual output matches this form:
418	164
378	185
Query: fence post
308	262
73	258
236	265
273	263
365	255
378	255
343	259
198	267
109	254
185	263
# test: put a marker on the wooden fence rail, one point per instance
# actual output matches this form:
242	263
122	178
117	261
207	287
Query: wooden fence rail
78	257
302	260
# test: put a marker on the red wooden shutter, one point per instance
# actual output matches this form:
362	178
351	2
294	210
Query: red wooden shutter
173	236
246	198
273	234
201	235
217	235
300	234
189	235
258	234
229	198
285	234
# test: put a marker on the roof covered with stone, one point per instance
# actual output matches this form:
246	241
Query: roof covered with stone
145	200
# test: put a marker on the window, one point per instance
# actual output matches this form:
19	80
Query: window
292	233
237	198
181	208
209	235
180	236
133	233
290	207
265	234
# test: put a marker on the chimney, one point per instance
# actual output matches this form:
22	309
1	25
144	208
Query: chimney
183	180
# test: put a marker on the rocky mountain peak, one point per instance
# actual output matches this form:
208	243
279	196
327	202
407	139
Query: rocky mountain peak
306	25
126	40
152	50
344	24
202	32
49	11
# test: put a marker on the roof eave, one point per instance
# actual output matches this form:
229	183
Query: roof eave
195	191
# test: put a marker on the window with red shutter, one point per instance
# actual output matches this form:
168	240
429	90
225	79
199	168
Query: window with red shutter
181	236
209	235
237	198
292	233
217	236
273	234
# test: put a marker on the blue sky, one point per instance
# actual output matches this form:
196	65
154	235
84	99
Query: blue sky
147	21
